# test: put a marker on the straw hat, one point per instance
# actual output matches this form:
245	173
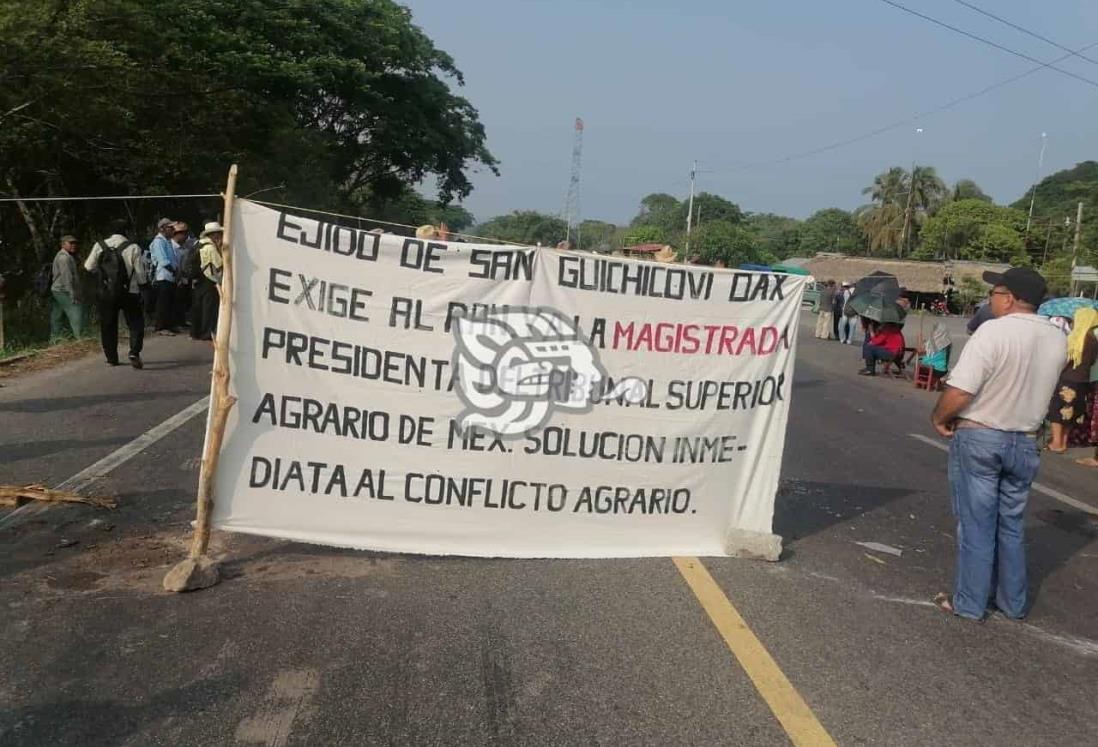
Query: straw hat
665	254
211	227
427	231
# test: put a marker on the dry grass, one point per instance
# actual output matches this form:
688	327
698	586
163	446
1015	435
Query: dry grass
46	358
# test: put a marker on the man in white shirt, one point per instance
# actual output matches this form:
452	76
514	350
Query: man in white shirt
116	264
996	398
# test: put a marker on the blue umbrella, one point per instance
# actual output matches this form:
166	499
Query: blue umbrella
1065	307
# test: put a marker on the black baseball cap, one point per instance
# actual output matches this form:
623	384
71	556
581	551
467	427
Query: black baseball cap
1026	284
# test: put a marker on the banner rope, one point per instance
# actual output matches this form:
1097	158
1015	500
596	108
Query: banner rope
107	197
379	222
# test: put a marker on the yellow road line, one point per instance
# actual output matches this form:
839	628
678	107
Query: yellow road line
798	720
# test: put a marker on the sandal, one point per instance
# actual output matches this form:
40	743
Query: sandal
1088	462
1056	451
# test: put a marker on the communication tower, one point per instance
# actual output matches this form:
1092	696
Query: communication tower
571	201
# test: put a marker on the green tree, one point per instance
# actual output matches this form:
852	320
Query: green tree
971	291
344	102
930	192
1057	272
659	209
777	235
917	194
1057	197
888	187
882	226
411	208
644	234
727	242
596	235
832	230
974	229
966	189
709	207
668	213
526	227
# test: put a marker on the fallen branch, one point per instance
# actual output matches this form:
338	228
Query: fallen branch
14	495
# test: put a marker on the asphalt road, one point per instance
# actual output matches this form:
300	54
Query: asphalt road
306	645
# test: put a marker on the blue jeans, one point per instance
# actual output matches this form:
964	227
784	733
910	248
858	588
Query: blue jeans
874	353
989	475
848	327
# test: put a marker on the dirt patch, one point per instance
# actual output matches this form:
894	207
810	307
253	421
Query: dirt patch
49	358
74	580
138	563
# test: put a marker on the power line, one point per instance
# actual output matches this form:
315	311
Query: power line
106	197
1016	27
903	122
990	43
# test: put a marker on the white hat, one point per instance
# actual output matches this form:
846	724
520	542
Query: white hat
211	227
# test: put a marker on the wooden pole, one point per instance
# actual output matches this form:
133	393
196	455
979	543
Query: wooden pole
221	402
198	571
1075	250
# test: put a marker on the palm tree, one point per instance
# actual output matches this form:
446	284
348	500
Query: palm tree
930	191
888	187
882	225
913	196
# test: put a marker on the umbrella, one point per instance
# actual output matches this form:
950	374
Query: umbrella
1065	307
875	297
877	307
790	270
754	267
880	283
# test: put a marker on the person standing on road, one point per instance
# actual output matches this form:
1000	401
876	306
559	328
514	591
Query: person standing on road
166	271
66	291
994	401
848	325
181	247
983	314
838	301
206	294
116	264
1068	407
823	320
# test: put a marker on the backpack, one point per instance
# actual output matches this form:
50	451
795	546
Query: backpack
148	267
43	280
114	281
191	268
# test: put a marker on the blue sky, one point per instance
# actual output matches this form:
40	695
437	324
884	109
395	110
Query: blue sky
729	83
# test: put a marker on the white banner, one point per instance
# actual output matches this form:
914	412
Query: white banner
449	398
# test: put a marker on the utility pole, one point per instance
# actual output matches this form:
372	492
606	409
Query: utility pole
690	207
1075	251
905	237
907	212
1033	194
1048	238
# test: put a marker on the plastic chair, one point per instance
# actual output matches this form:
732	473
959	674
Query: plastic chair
930	378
